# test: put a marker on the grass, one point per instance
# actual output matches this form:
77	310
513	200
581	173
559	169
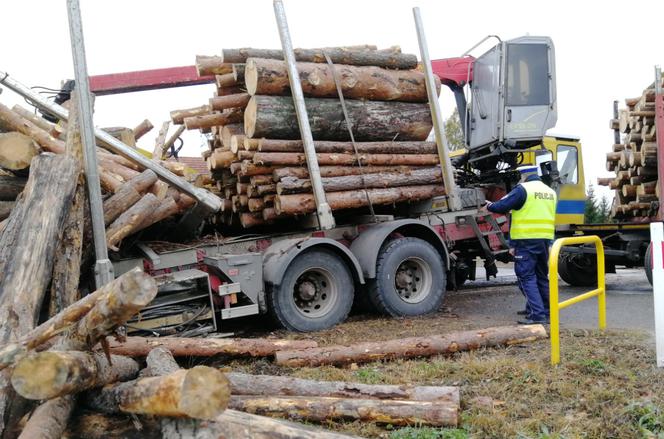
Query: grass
605	387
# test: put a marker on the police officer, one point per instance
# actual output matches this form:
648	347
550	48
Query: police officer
533	207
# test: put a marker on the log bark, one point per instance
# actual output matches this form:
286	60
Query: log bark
131	220
251	219
16	151
127	195
276	145
337	55
332	159
11	187
239	100
6	209
214	119
159	362
158	150
256	205
236	143
274	117
300	204
290	185
225	80
178	116
49	420
238	72
248	169
167	208
411	347
36	119
51	374
325	409
220	159
142	129
212	65
269	385
171	140
18	123
239	425
337	171
270	77
206	347
90	425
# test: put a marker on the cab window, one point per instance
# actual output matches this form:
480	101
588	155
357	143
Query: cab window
527	74
568	164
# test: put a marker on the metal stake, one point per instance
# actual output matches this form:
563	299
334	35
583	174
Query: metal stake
204	197
103	267
438	127
325	217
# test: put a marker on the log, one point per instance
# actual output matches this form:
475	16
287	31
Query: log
256	205
178	116
127	195
6	209
602	181
51	374
274	117
158	150
331	159
117	170
171	140
49	420
91	425
17	151
269	385
238	72
325	409
11	187
142	129
225	80
221	159
130	221
167	208
628	190
336	171
206	347
336	55
122	292
210	120
276	145
201	393
251	219
212	65
270	77
236	143
300	204
411	347
228	131
36	119
239	100
258	180
239	425
270	214
18	123
290	185
159	362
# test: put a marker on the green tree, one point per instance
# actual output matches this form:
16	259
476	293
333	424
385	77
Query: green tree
596	211
453	131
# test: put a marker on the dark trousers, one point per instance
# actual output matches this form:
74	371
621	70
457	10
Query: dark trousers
531	266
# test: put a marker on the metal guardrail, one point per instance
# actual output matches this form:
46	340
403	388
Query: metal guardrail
556	306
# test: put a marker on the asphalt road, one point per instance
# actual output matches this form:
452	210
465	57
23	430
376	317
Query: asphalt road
629	301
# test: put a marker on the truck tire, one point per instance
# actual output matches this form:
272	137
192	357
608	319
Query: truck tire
410	279
578	270
647	263
316	292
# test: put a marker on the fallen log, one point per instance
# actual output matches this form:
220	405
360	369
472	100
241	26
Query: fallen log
346	159
16	122
214	119
51	374
178	116
206	347
325	409
50	419
290	185
411	347
131	220
268	385
127	195
300	204
274	117
270	77
17	151
276	145
158	150
11	187
212	65
338	55
142	129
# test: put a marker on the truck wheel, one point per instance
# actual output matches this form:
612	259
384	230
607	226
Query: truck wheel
410	278
315	293
578	270
647	263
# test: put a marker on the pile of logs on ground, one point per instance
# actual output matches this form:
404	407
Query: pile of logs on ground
134	198
634	160
258	161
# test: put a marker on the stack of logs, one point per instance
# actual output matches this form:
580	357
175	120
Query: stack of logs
134	198
255	153
634	160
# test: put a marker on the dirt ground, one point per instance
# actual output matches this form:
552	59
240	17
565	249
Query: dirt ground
606	386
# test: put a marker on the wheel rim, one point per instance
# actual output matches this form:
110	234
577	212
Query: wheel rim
413	280
315	293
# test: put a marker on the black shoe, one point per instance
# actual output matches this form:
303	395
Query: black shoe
533	322
523	312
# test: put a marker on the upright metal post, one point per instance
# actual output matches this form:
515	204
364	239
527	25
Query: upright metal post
325	217
103	266
441	140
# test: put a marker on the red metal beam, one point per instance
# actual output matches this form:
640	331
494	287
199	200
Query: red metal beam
155	79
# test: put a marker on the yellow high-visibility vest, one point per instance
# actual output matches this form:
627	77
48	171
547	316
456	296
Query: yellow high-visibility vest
537	217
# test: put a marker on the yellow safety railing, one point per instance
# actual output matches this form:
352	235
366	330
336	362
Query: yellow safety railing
555	307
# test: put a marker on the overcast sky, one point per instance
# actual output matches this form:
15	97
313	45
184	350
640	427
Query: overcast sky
602	52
